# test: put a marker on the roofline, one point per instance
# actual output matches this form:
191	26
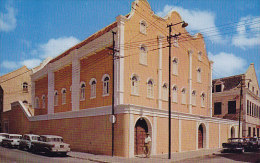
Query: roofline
15	71
228	77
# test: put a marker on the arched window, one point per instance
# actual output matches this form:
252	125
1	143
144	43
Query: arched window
143	55
193	97
105	80
200	56
25	87
36	102
150	88
134	85
199	75
183	96
165	92
63	96
43	101
174	94
203	96
143	27
175	66
82	90
56	98
93	83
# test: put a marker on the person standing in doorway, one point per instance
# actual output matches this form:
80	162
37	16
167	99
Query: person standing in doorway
147	145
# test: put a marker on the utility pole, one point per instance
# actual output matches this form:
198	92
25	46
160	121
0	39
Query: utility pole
169	86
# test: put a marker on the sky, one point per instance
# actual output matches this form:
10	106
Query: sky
32	30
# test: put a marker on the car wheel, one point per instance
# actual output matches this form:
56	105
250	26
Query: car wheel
242	150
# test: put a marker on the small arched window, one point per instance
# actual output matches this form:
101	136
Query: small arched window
82	91
63	96
193	97
183	96
134	85
105	80
93	83
25	87
56	98
43	101
143	27
175	66
150	88
36	102
143	55
165	92
199	75
174	94
203	96
200	56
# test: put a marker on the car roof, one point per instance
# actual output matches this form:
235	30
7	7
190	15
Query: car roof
4	134
14	135
31	135
52	136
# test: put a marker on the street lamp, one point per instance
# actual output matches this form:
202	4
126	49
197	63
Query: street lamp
184	24
241	94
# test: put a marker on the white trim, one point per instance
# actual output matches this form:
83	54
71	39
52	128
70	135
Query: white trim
180	132
63	102
33	93
160	37
75	80
50	90
190	81
154	138
219	134
131	135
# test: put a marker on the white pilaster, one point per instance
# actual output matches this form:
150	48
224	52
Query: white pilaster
119	64
197	142
33	94
154	135
180	130
207	135
75	81
190	81
160	37
219	134
210	89
131	135
50	90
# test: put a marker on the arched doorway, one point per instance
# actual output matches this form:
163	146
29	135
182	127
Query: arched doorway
232	132
141	128
201	136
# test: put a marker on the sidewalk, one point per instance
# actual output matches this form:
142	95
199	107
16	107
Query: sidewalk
158	158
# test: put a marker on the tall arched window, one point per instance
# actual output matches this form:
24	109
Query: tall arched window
56	98
36	102
175	66
165	92
199	75
63	96
82	91
143	55
93	83
174	94
200	56
134	85
150	88
105	80
203	96
193	97
183	96
25	87
143	27
43	101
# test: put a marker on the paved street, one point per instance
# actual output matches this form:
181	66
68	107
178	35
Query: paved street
14	155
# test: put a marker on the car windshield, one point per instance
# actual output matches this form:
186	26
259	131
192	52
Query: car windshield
54	140
14	137
234	140
34	137
4	135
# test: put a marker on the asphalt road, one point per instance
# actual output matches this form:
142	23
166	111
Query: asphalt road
18	156
252	157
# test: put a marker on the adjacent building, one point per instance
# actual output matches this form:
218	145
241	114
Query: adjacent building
227	97
72	94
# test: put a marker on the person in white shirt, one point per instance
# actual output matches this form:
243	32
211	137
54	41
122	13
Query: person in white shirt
147	145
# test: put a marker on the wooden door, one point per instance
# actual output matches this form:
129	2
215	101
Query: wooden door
140	133
200	137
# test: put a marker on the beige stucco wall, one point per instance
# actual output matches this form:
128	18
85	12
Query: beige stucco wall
188	135
213	135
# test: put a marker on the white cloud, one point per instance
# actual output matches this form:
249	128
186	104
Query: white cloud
248	32
201	21
9	65
55	47
227	64
31	63
8	20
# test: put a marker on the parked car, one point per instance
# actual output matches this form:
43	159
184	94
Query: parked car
12	140
26	141
3	136
234	145
258	142
251	144
50	144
